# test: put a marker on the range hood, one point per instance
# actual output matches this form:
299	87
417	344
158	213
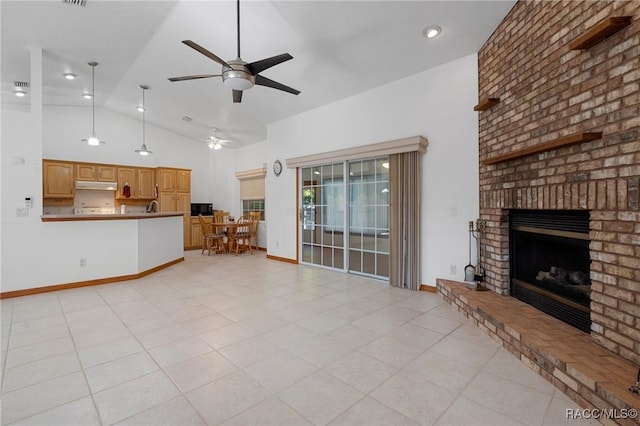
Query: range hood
101	186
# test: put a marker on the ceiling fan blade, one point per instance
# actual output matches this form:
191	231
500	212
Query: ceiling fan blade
193	77
264	81
259	66
205	52
237	96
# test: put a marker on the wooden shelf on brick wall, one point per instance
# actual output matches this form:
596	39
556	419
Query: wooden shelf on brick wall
486	103
599	32
544	147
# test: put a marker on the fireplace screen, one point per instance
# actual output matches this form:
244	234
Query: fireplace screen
550	263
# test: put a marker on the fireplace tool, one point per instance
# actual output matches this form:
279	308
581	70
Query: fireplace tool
479	270
636	388
470	270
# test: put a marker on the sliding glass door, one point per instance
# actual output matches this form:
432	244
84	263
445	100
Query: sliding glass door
327	211
323	215
369	217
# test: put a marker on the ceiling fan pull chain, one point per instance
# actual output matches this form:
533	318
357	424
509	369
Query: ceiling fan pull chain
238	26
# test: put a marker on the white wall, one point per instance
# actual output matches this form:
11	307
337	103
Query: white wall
437	104
252	157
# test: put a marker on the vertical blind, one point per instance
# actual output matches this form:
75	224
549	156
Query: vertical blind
405	177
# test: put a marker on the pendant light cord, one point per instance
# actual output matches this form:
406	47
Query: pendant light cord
93	97
143	122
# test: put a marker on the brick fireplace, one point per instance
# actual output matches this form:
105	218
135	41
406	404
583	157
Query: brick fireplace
589	101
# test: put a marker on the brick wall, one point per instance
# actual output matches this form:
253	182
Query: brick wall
548	91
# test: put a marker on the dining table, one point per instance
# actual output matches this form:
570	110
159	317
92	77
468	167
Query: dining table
228	229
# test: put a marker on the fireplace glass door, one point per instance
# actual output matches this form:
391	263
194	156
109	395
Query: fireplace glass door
550	263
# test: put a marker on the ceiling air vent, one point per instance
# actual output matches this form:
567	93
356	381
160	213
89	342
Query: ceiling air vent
22	84
76	2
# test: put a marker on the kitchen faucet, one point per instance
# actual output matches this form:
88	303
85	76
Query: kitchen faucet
150	207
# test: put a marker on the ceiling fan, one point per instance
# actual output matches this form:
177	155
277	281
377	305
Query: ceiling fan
238	74
214	142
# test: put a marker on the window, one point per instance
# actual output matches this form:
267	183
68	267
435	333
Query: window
252	190
253	206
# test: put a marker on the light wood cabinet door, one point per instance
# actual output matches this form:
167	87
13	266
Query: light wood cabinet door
57	180
106	173
167	180
183	202
126	176
85	172
167	201
146	183
187	231
183	178
196	234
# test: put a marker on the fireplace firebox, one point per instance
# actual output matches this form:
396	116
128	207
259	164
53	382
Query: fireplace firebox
550	263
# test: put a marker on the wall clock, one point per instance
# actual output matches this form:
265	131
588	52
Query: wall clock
277	167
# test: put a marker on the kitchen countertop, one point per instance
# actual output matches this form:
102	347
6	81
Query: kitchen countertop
85	217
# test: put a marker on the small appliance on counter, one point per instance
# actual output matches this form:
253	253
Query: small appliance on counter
205	209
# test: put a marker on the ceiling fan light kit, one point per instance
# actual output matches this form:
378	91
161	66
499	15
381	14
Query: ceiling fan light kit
93	139
238	74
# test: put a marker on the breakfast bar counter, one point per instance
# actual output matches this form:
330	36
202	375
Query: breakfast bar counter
100	249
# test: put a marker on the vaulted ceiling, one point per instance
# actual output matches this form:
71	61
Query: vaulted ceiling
340	48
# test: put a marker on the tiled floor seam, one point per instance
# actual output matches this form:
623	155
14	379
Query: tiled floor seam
84	374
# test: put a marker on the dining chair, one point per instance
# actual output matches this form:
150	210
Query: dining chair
222	217
255	223
242	235
209	236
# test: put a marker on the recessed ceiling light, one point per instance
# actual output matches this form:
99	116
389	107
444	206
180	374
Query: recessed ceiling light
87	95
140	108
69	76
431	31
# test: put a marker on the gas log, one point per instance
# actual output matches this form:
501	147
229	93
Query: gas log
561	276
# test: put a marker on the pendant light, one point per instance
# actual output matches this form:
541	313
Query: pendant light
93	140
143	149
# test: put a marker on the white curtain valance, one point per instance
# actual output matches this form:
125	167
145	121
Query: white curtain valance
252	174
398	146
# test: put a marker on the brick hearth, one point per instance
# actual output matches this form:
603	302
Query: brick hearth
548	91
589	374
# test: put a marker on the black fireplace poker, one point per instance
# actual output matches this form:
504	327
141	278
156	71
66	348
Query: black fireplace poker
479	270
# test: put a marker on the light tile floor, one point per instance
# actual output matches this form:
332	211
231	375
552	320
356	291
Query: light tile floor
250	341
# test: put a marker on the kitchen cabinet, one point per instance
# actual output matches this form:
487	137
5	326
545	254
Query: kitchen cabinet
178	180
146	183
95	172
140	180
174	195
196	234
57	179
174	190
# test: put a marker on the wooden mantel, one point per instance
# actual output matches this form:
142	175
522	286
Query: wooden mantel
599	32
544	147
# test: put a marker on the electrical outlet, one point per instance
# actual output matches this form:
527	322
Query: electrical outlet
22	212
83	262
453	270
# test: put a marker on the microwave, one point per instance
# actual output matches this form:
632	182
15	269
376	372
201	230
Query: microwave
205	209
